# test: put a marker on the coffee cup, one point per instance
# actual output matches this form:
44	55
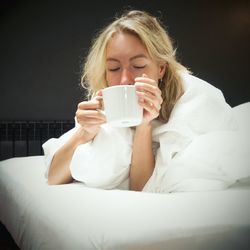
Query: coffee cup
121	106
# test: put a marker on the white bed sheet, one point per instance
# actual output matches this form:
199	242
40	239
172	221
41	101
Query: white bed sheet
75	217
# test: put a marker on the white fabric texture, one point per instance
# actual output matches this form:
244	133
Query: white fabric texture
103	162
201	147
72	216
114	145
204	146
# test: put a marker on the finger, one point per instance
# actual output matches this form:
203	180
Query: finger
99	93
151	104
90	122
92	104
149	107
85	121
99	98
146	80
148	88
150	98
90	115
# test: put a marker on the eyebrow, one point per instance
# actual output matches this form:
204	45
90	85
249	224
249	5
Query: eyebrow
130	59
137	56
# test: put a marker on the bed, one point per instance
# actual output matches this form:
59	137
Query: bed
74	216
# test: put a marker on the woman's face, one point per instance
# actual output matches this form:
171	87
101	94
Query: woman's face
127	58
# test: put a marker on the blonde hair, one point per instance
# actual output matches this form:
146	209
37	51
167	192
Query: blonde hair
154	37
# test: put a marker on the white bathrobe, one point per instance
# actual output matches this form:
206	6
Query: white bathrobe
205	145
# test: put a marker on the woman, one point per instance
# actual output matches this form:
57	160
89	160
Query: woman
135	49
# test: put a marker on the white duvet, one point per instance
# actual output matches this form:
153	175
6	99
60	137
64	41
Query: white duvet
204	146
64	217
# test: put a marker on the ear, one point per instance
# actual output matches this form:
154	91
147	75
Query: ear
162	70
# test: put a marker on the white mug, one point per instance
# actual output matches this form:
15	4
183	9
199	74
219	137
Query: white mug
121	106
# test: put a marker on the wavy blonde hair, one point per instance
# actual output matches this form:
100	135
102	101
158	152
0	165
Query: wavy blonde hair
154	37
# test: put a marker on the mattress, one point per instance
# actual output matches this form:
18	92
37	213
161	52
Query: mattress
74	216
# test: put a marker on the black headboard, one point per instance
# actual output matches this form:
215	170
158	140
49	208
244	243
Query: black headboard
25	138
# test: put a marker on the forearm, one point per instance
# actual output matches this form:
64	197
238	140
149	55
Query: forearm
59	171
143	161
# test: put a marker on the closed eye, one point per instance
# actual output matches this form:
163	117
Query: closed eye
114	69
139	67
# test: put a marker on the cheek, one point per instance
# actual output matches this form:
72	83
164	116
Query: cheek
154	72
152	75
112	79
110	84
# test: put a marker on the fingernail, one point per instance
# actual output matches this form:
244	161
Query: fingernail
98	97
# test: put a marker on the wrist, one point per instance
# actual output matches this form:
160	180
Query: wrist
84	136
144	127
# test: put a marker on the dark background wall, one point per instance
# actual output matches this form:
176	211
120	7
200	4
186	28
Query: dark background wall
43	43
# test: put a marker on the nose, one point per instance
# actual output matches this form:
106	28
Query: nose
127	77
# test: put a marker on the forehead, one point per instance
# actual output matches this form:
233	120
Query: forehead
125	45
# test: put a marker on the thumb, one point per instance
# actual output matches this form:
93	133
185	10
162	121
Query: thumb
99	92
98	95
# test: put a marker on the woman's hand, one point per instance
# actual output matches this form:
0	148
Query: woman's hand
149	97
90	117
